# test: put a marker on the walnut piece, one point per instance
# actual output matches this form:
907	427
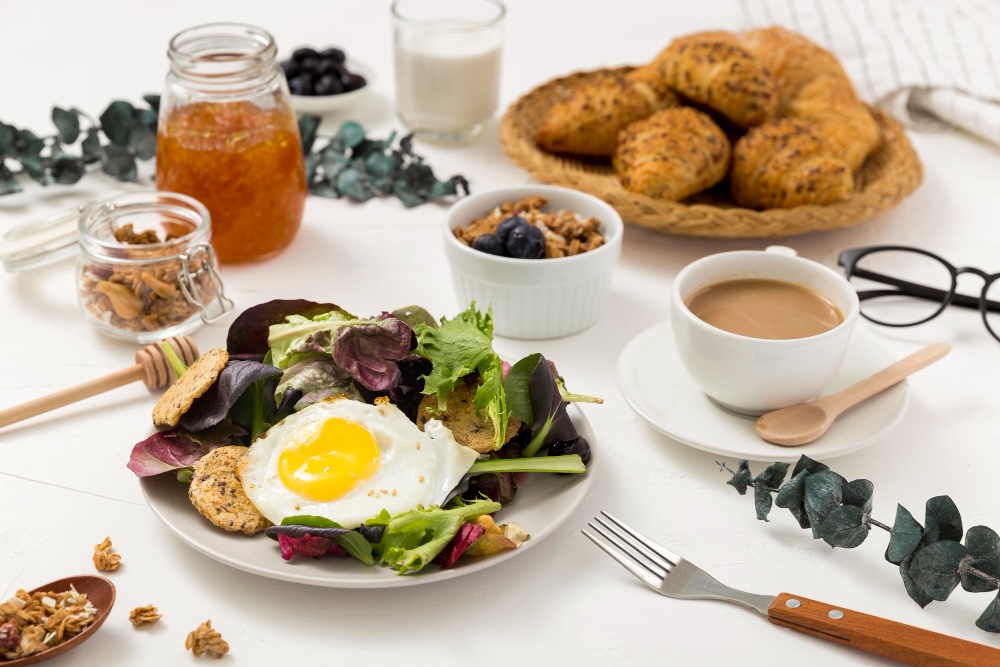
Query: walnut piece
104	560
206	640
144	615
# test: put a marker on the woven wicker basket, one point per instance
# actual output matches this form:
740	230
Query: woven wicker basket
888	175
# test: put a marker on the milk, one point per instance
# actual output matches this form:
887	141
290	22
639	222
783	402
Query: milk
447	79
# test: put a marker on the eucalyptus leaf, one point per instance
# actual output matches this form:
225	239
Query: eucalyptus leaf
308	126
148	118
28	143
8	134
772	476
916	593
35	168
153	101
91	146
762	501
824	492
142	141
791	496
68	124
859	493
350	134
809	465
990	619
354	183
845	527
118	163
8	182
68	170
741	478
934	568
117	121
904	537
942	521
983	546
324	189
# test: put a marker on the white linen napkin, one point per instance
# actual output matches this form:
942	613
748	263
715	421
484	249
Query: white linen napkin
924	61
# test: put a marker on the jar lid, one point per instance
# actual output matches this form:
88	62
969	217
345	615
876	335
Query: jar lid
41	241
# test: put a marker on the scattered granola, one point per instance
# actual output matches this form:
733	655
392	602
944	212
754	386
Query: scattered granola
565	233
30	624
206	640
138	288
144	615
104	560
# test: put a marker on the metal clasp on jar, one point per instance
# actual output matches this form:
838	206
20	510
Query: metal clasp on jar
201	285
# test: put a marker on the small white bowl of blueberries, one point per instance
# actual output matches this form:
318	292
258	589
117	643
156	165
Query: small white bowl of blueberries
322	80
542	256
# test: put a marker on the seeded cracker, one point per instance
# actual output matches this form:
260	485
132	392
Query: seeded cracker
217	492
471	429
195	381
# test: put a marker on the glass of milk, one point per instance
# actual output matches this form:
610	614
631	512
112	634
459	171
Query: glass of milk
447	55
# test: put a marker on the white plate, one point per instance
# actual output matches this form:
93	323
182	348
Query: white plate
657	387
543	502
320	104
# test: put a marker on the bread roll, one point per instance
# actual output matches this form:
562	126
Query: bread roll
672	154
788	163
588	120
722	76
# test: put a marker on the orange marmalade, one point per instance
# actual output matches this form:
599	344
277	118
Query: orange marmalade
244	163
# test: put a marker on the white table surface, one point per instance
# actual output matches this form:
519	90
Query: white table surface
64	485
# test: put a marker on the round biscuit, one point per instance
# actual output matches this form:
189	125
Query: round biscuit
217	492
194	382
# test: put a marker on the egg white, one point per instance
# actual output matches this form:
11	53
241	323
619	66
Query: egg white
416	467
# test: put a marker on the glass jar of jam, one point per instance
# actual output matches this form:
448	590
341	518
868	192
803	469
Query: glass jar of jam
228	137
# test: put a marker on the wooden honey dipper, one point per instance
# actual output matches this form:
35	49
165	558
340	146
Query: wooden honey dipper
151	366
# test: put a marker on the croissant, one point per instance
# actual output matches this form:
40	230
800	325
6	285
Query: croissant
787	163
588	120
672	154
722	76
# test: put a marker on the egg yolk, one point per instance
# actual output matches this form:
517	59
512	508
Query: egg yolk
327	462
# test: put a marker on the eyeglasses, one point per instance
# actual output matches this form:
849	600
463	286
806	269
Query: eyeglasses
920	286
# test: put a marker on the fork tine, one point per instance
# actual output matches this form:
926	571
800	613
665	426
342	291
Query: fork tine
652	565
669	555
633	544
627	562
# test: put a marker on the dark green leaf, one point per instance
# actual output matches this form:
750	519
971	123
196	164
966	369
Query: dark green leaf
68	124
118	163
8	182
309	520
333	163
934	568
791	496
453	186
809	465
904	537
824	492
153	101
68	170
149	118
91	146
762	501
741	478
845	527
350	134
516	387
859	494
36	169
356	545
28	143
8	134
916	593
407	195
772	476
142	141
324	189
983	545
117	121
942	521
354	183
990	620
308	126
312	162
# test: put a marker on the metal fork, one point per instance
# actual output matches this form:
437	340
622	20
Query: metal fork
671	575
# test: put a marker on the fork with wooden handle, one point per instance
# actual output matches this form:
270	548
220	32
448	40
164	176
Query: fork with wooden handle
669	574
151	366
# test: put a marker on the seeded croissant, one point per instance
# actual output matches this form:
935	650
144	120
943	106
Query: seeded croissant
672	154
787	163
722	76
588	120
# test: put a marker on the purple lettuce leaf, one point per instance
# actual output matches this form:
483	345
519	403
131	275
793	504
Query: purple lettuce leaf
369	350
312	546
466	535
162	452
247	338
211	407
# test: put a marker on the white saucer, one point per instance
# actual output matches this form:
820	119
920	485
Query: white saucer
657	387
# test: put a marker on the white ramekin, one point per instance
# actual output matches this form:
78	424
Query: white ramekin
535	298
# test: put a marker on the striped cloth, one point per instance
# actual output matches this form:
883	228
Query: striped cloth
924	61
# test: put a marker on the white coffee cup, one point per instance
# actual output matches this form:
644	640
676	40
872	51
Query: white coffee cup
756	375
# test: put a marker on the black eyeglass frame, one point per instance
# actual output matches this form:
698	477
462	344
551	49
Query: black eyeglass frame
849	258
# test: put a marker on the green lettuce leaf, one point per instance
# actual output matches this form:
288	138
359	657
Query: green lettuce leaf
301	336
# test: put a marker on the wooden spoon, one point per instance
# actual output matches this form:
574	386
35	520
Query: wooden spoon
100	592
805	422
151	366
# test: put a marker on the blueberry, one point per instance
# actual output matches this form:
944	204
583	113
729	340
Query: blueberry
301	85
526	242
328	66
311	65
353	82
334	54
490	243
328	84
290	68
504	228
304	52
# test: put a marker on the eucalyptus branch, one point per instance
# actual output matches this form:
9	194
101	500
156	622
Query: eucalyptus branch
932	559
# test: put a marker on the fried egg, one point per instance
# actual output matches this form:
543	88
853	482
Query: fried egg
347	461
